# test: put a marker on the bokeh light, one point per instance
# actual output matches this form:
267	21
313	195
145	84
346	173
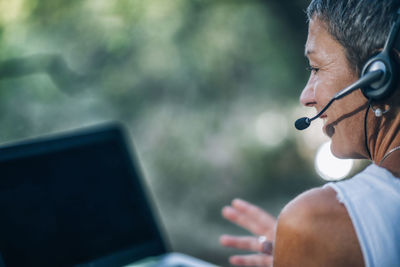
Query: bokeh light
329	167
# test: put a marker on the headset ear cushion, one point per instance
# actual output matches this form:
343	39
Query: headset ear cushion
386	85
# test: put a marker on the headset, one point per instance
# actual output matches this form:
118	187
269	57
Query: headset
378	77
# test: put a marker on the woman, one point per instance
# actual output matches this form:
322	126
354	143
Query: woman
354	222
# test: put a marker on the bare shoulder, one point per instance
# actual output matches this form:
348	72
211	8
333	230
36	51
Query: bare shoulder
314	229
321	202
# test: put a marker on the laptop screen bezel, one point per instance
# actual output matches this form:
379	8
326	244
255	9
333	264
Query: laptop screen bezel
108	132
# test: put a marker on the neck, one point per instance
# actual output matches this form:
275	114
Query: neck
391	161
384	138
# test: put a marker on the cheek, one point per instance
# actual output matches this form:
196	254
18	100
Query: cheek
347	105
329	83
354	106
348	113
348	137
324	91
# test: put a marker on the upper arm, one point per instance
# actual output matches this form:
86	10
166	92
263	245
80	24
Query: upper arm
315	230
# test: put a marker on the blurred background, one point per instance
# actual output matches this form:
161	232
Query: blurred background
207	89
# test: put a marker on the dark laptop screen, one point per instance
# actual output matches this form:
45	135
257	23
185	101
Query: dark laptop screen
73	199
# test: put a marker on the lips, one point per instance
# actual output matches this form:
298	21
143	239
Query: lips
324	118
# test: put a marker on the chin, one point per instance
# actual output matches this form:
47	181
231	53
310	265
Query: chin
339	154
343	152
340	151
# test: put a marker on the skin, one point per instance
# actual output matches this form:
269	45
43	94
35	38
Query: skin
330	73
314	229
256	221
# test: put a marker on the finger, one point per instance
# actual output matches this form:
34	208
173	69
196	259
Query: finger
246	221
243	220
230	213
248	243
251	260
253	211
254	218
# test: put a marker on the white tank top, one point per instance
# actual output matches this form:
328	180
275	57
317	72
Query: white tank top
372	199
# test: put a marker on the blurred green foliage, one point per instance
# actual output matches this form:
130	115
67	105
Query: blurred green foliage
188	78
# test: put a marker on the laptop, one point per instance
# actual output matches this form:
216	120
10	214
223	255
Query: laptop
78	199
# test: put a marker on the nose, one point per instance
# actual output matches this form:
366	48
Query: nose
307	97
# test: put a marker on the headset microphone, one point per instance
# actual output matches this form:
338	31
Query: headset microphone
365	80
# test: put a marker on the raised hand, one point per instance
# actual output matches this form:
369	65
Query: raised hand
258	222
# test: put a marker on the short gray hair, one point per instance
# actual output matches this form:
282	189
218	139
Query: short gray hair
360	26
